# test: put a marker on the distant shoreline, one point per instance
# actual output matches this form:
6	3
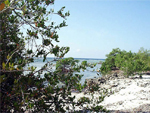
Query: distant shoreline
75	58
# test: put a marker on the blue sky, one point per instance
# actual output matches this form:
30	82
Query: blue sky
95	27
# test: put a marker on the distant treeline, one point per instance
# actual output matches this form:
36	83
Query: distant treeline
128	62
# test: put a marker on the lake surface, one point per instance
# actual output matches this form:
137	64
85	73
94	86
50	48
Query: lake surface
89	73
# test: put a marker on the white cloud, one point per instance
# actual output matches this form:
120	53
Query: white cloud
78	50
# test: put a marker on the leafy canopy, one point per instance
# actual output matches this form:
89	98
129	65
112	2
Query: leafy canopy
27	32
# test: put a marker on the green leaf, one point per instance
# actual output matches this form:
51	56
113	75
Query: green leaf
46	42
29	51
7	2
3	65
31	105
31	0
16	81
2	78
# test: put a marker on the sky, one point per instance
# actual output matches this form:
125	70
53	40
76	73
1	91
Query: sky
95	27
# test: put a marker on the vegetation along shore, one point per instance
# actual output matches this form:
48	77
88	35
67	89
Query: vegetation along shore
27	32
126	81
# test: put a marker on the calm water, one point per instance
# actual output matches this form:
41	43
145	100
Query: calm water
89	73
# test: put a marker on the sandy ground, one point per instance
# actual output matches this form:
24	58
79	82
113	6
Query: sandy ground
128	94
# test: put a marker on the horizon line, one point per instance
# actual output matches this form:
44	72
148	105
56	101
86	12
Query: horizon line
78	58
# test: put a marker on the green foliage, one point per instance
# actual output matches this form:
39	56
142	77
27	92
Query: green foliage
100	108
21	91
144	58
127	61
110	61
84	63
84	100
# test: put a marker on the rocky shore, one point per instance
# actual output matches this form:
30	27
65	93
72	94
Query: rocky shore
128	95
123	94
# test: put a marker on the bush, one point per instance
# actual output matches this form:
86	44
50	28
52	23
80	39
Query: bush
129	62
22	86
